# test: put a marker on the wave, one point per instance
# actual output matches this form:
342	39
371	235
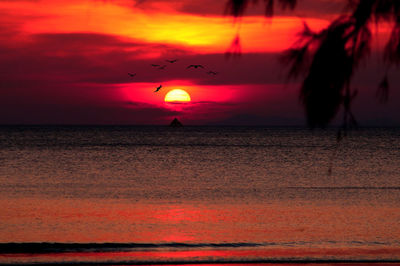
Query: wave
225	262
46	247
392	262
345	188
54	247
47	253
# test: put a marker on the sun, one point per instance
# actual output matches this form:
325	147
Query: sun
177	95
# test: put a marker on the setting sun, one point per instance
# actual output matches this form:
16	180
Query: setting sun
177	95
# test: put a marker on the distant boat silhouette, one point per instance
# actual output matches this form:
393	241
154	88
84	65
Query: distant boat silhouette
158	88
195	66
132	75
176	123
162	67
171	61
212	73
154	65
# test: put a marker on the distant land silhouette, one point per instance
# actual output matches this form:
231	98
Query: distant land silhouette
176	123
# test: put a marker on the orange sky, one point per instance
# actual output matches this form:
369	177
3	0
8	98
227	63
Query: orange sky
200	34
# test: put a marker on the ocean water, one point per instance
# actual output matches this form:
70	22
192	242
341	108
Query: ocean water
207	195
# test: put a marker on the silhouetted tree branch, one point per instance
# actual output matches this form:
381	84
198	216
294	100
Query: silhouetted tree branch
327	60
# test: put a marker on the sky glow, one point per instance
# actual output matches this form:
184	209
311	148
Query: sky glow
67	62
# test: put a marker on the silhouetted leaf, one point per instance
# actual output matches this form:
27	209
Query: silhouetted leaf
307	32
291	4
363	13
269	8
235	49
383	90
329	72
237	8
361	44
297	59
392	49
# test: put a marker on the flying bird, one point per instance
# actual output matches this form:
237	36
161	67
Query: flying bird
154	65
195	66
212	73
171	61
158	88
162	67
132	75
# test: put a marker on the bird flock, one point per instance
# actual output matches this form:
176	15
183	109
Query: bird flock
162	67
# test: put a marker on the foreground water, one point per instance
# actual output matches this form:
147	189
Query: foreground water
151	195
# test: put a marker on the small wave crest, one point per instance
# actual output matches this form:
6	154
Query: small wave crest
45	247
49	247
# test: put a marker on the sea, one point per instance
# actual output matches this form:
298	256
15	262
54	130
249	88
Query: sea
197	195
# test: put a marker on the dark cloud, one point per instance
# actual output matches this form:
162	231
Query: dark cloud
214	103
47	113
76	42
78	57
305	8
105	59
